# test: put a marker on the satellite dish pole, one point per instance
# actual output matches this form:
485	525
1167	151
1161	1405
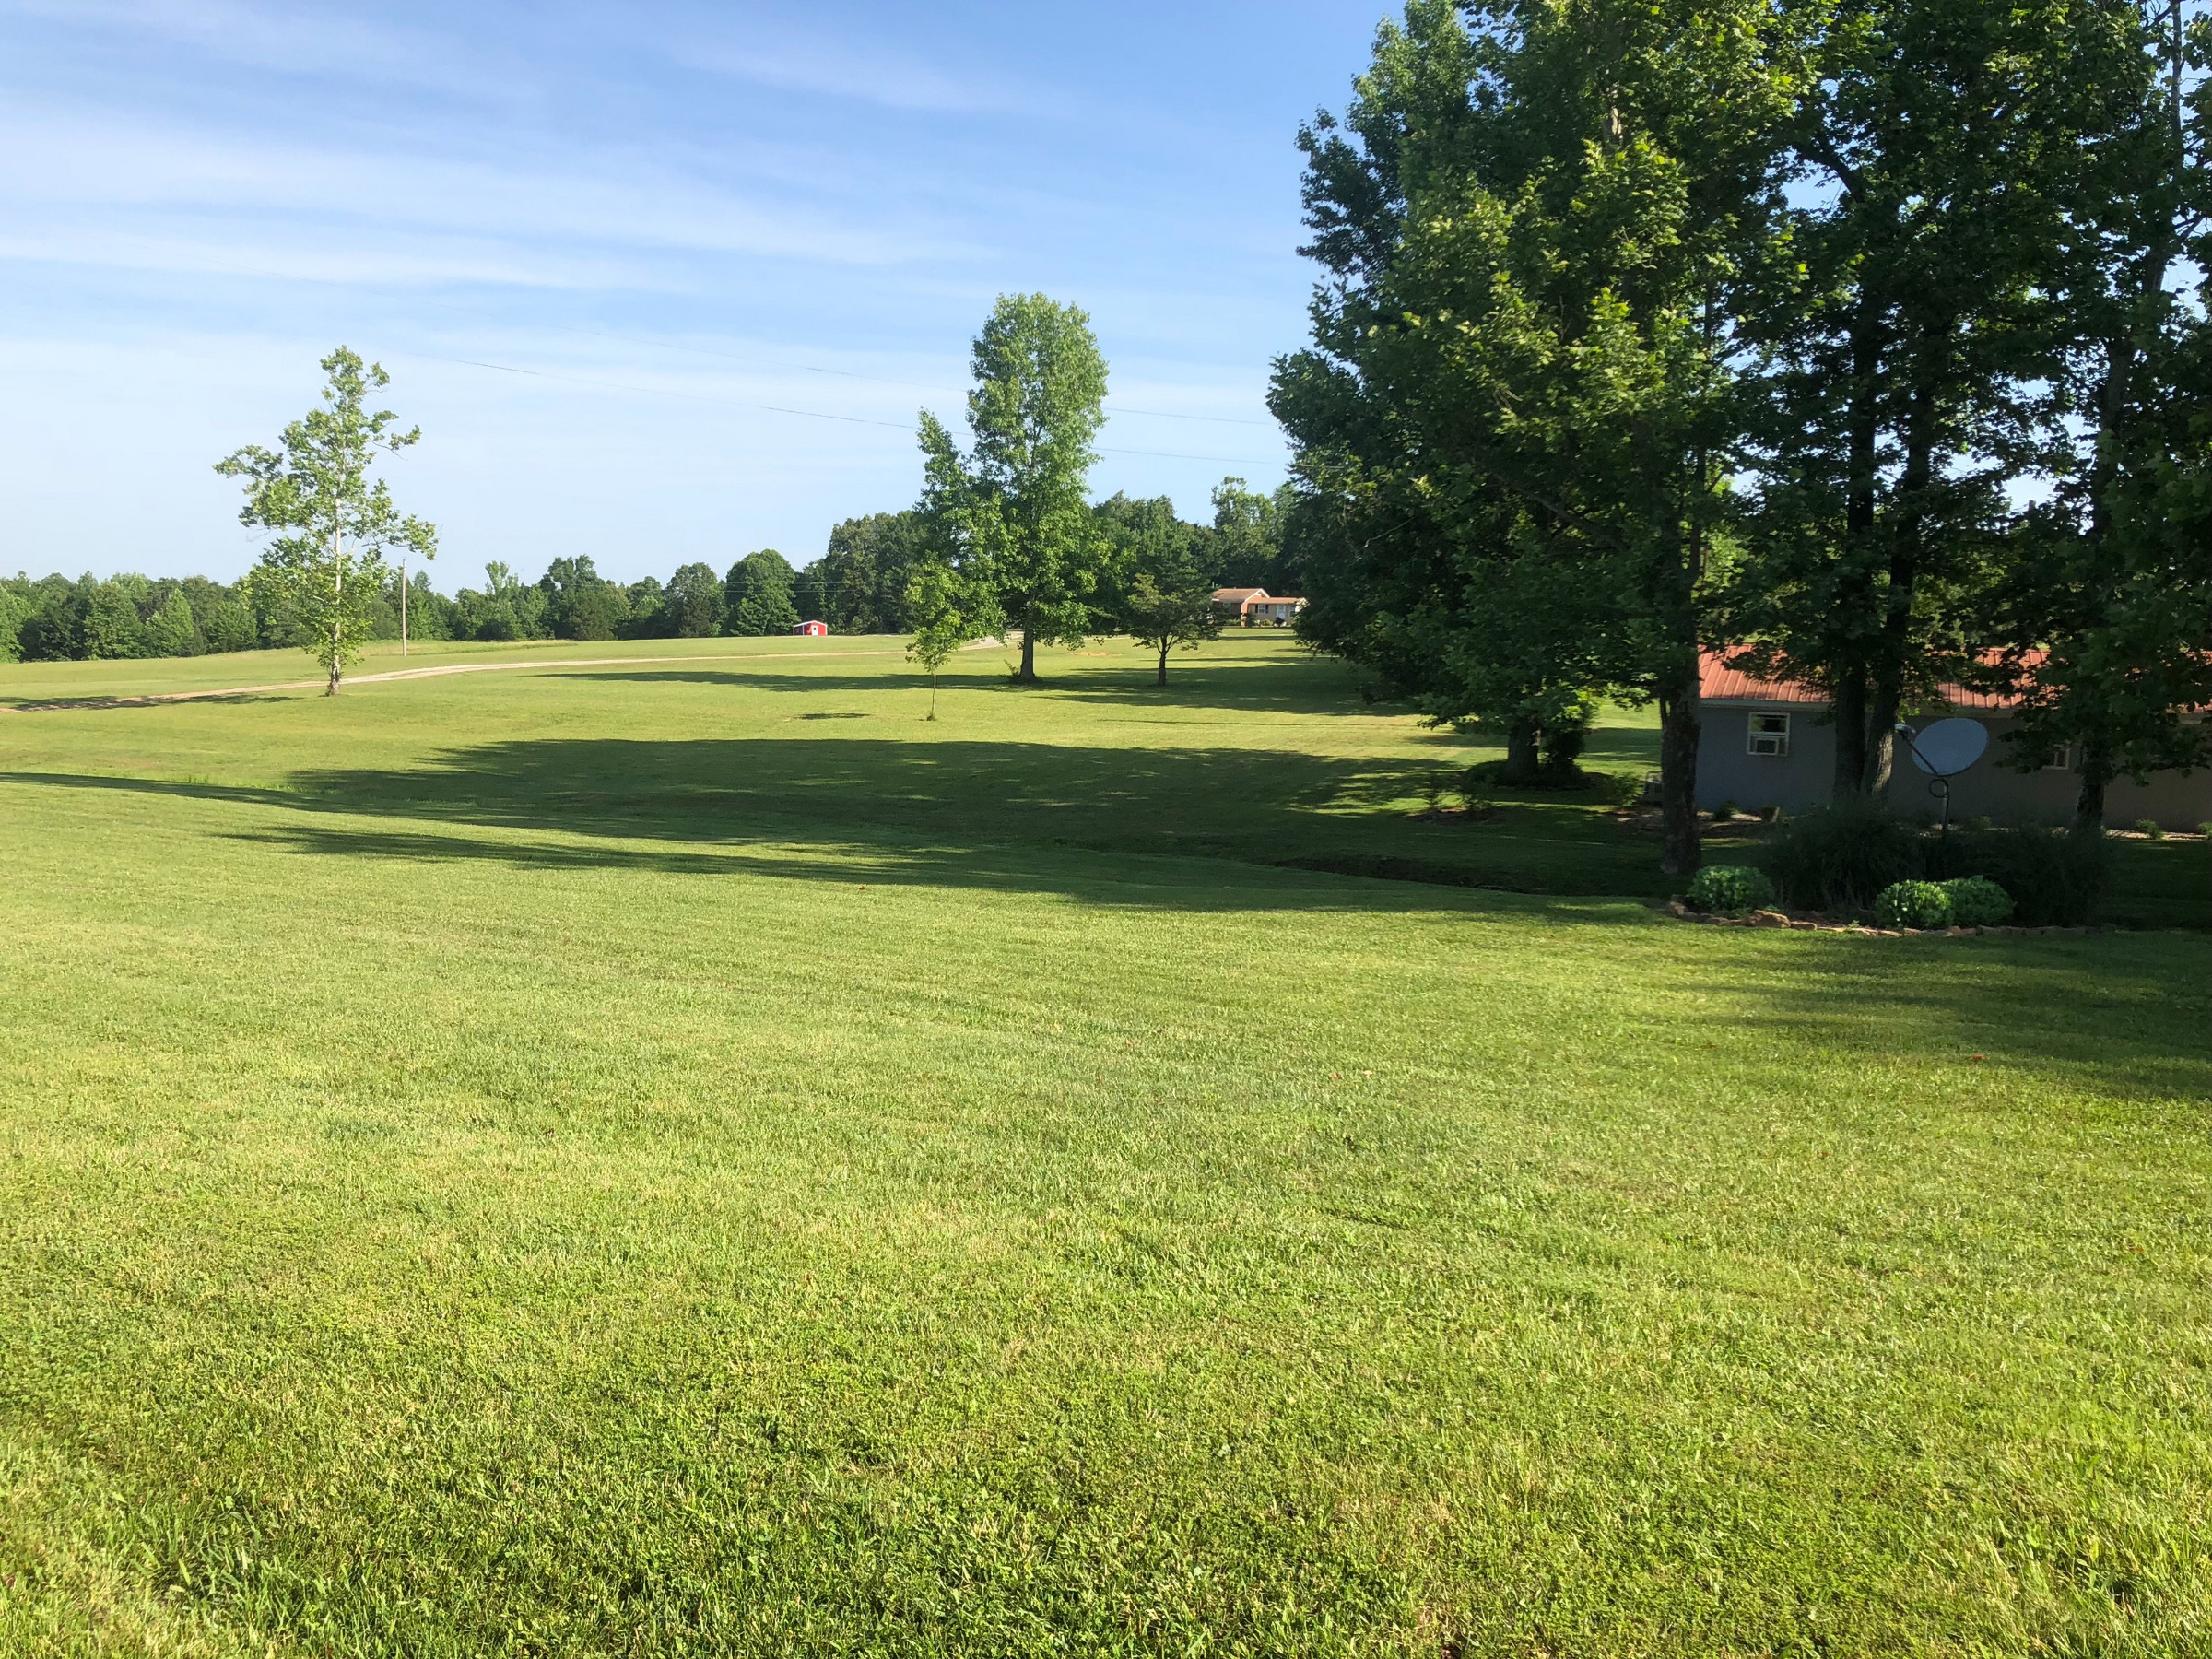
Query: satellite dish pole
1943	749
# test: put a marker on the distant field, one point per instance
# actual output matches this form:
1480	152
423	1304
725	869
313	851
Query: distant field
683	1157
1253	752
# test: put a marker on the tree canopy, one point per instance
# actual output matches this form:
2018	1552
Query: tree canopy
1011	513
1517	407
1851	337
757	595
331	525
1166	593
864	575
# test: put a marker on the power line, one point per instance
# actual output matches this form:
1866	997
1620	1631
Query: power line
660	391
735	402
732	356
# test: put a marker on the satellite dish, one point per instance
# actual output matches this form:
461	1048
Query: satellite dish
1949	747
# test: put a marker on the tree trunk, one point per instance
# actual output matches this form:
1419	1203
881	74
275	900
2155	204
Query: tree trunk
403	607
1848	712
1856	591
1029	654
1681	724
1881	740
1520	754
1887	688
1163	664
337	591
1680	686
933	693
2096	772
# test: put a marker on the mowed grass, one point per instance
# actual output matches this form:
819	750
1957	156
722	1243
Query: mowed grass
1252	750
683	1157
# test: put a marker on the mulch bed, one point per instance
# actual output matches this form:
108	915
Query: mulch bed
1818	922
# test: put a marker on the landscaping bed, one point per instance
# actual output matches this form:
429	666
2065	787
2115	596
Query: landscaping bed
1821	922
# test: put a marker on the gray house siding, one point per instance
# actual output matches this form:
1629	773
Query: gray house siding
1728	771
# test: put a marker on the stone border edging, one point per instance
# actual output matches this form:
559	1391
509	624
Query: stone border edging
1812	922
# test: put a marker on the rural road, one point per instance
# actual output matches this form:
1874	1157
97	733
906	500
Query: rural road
43	705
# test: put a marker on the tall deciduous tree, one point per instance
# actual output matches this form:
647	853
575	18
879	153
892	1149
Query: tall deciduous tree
2106	612
1244	546
1011	513
332	526
16	609
112	625
580	603
1933	142
691	605
864	573
756	597
1519	409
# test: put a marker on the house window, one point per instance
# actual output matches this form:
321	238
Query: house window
1769	735
2062	759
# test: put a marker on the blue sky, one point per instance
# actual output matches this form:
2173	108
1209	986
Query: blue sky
599	248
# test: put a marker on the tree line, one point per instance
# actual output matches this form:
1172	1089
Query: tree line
760	594
1865	340
54	618
859	584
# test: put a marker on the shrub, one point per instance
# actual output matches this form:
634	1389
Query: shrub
1977	901
1492	774
1725	811
1477	802
1980	820
1729	888
1913	905
2205	829
1840	857
1563	742
2056	878
1770	814
2152	830
1621	788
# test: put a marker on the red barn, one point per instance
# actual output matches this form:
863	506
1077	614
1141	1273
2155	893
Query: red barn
811	627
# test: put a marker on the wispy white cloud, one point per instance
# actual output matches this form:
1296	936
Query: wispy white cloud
326	41
105	191
291	39
890	80
386	261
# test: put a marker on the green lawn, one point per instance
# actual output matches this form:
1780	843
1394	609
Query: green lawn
682	1157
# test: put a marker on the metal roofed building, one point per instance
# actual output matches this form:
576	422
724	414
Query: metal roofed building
1769	743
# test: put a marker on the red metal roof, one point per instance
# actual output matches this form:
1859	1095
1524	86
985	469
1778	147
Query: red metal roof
1718	681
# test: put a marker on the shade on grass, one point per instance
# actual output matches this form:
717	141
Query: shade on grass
547	1162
